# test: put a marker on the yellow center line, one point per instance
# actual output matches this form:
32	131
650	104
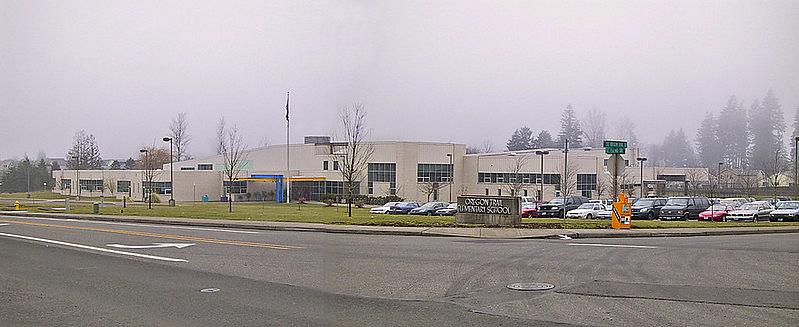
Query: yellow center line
158	235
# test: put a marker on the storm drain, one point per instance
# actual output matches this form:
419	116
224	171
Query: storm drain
531	286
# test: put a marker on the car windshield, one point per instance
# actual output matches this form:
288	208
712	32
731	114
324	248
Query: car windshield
390	204
428	205
717	207
643	203
677	202
749	206
556	201
453	206
788	205
586	206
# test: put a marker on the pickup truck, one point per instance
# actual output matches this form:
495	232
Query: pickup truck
555	207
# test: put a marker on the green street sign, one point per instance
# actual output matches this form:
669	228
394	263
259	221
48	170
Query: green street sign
614	144
615	150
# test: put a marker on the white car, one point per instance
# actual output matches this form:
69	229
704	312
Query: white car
383	209
586	211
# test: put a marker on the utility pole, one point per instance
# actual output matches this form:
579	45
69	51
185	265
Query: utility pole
541	187
565	172
641	163
171	174
288	166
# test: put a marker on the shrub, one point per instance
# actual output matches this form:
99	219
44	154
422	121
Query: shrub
154	197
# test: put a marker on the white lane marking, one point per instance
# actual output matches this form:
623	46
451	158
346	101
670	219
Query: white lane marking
615	245
87	247
153	246
143	225
564	237
3	224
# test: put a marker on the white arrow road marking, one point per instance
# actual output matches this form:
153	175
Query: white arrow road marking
87	247
153	246
616	245
564	237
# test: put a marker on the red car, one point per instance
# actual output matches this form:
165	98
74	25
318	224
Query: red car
529	210
716	212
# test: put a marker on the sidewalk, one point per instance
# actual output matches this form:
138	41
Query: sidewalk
477	232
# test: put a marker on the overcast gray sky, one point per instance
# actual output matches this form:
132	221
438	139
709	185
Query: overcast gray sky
462	71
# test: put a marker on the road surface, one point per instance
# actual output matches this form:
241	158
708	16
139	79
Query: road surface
83	273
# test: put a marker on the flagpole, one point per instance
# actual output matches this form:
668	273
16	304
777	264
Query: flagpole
288	167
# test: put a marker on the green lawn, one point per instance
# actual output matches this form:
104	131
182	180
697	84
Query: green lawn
312	213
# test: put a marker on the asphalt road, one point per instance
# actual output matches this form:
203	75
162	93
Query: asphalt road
63	272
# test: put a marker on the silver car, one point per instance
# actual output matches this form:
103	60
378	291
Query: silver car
751	211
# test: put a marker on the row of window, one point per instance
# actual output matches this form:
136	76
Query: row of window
326	165
512	178
235	187
97	185
435	173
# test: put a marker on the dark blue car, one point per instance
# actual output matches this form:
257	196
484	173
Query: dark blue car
402	208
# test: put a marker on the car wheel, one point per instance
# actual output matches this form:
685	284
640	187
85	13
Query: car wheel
650	216
588	216
429	213
754	218
686	217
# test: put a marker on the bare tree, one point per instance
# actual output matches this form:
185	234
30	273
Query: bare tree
234	157
486	147
178	131
220	135
429	188
516	183
570	180
594	128
354	151
604	186
748	181
695	178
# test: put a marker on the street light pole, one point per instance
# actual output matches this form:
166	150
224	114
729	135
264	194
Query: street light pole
541	187
147	179
564	187
171	174
451	176
641	163
796	166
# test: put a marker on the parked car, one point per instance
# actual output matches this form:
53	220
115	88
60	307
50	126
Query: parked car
684	207
586	211
449	210
428	208
753	211
605	214
557	206
382	209
529	210
402	208
786	211
716	212
648	208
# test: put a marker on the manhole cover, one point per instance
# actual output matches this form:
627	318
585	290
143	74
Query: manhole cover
209	290
531	286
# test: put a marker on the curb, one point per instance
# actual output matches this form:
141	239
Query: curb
413	231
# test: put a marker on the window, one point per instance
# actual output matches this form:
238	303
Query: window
66	183
435	173
314	190
91	185
123	186
187	168
370	187
626	163
335	165
235	187
605	162
382	172
157	187
486	191
325	165
524	178
393	188
586	182
499	191
205	166
525	192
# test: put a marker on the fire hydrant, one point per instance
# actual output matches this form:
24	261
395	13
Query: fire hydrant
17	206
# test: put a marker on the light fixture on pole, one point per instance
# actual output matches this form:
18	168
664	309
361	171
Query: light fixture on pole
641	163
451	175
147	179
541	176
171	174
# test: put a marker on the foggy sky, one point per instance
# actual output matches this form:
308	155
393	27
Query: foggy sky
452	71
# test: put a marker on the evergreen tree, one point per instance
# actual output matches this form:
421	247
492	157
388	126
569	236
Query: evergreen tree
733	134
84	153
768	128
522	139
677	150
570	129
130	163
544	140
708	147
25	175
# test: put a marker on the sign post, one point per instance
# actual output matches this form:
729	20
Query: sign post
616	162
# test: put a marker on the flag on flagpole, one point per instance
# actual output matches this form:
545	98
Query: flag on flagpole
287	106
